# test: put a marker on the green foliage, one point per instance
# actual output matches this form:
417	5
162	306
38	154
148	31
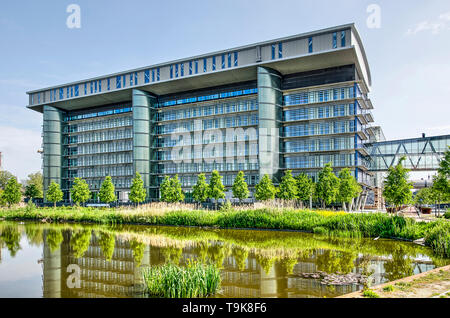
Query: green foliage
216	188
107	191
171	190
12	194
172	281
288	187
80	191
240	188
447	215
348	186
79	242
107	242
265	190
327	186
305	187
226	207
424	196
31	191
137	191
438	237
200	190
2	198
388	288
54	193
36	183
4	177
54	239
397	189
138	249
441	188
10	235
369	293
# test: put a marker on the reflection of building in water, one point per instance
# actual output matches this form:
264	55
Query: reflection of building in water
121	277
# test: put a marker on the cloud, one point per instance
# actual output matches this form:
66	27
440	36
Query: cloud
441	24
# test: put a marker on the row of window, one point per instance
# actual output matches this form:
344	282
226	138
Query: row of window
94	184
320	144
216	151
318	161
103	159
229	59
105	135
312	129
102	171
207	97
320	96
99	114
215	123
327	111
101	147
209	110
202	139
227	180
99	124
206	167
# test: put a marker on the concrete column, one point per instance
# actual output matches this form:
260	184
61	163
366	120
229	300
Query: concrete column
53	146
270	113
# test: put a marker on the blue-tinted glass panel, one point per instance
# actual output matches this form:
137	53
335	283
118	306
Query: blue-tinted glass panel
229	59
85	88
196	67
235	59
190	67
146	76
153	75
273	51
343	39
76	90
118	82
280	50
109	84
310	44
205	65
334	40
171	71
176	70
182	69
213	63
158	74
223	61
135	78
61	93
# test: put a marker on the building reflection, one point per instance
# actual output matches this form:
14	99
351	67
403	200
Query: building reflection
243	275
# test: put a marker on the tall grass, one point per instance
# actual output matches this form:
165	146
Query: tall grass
172	281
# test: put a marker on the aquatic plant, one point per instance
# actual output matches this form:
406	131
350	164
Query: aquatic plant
172	281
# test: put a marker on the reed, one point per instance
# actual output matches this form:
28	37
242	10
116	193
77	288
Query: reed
172	281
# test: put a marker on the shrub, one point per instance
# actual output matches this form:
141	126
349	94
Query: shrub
369	293
388	288
447	215
438	237
320	230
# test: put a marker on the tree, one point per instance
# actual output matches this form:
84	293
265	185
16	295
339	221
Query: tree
4	177
349	188
327	186
305	187
54	193
164	189
265	190
441	181
200	190
80	191
240	188
12	194
107	191
424	196
31	191
2	199
137	191
177	191
216	188
35	180
397	189
288	187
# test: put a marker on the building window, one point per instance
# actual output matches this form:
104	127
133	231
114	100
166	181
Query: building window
343	39
171	71
131	79
334	40
92	87
100	85
61	93
76	90
196	67
158	74
213	63
118	82
135	78
235	59
146	76
109	84
190	67
153	75
176	70
205	65
67	92
280	50
310	44
273	51
39	98
124	81
223	61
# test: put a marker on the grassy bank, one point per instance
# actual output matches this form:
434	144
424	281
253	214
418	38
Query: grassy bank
172	281
437	233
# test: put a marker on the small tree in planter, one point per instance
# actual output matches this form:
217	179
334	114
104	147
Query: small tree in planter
240	188
80	191
54	193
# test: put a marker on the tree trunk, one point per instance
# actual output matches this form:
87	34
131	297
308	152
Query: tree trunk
344	206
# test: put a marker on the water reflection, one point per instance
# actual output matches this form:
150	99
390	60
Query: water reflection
253	263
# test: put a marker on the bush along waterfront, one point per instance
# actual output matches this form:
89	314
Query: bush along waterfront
436	233
172	281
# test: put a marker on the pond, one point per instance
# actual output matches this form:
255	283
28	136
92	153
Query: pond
75	260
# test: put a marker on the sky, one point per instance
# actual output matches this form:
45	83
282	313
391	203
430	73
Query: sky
408	53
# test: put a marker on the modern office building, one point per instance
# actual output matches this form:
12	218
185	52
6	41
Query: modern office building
294	103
